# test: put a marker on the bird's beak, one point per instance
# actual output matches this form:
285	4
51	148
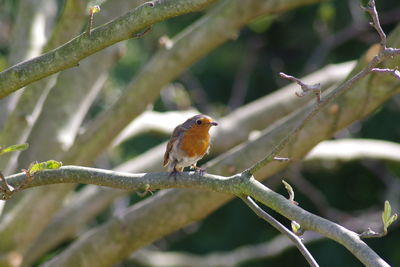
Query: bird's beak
214	123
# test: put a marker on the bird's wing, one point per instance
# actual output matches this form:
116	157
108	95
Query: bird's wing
174	137
167	151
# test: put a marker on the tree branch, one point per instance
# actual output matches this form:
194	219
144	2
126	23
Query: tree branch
238	185
153	121
354	149
29	36
125	181
71	53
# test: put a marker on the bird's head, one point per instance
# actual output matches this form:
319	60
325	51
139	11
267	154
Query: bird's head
200	122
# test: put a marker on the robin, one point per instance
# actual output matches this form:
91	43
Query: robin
189	142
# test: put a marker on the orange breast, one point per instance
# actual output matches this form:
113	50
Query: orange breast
195	141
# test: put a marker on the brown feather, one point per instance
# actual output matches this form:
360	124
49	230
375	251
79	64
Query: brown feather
175	135
167	151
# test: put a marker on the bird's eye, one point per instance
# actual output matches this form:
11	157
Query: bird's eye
199	122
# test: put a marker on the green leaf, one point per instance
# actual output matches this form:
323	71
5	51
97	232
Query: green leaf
295	227
94	9
387	216
387	211
47	165
12	148
392	219
52	164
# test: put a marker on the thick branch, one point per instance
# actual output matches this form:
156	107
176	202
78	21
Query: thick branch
29	34
125	181
355	149
71	53
153	121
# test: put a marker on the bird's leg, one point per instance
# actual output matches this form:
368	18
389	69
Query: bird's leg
199	170
175	171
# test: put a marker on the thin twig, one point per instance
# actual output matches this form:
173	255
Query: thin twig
354	30
281	159
394	72
281	228
371	9
92	10
372	234
306	88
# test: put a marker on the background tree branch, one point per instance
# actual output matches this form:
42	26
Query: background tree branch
71	53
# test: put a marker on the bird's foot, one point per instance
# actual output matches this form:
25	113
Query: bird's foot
199	170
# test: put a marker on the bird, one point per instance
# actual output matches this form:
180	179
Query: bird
189	142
